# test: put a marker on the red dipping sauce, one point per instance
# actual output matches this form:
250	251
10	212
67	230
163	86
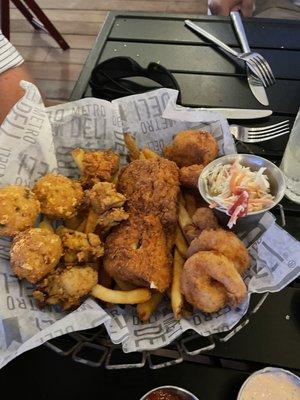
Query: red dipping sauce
164	394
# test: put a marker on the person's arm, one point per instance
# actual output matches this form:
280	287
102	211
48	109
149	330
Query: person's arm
10	90
224	7
12	71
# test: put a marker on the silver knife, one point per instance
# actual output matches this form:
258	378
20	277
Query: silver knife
240	113
255	84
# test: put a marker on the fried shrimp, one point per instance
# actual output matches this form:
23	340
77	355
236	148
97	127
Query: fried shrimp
209	281
225	242
204	218
80	247
19	209
96	165
35	253
189	175
192	146
60	196
67	286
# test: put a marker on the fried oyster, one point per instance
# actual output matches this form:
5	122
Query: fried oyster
19	208
60	197
67	286
35	253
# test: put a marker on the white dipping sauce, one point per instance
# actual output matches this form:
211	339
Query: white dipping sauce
271	386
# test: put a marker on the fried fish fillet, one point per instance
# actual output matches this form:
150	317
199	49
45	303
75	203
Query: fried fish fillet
136	252
151	186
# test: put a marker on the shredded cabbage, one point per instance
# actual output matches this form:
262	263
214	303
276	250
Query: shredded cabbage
237	190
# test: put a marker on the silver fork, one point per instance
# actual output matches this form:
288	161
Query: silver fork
255	62
255	135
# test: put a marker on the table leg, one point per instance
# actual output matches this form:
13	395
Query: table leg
4	13
27	14
41	16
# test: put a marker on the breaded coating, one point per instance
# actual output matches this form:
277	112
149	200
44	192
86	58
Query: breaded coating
80	247
151	187
190	232
79	219
110	219
209	281
189	176
67	286
19	209
204	218
60	196
136	252
96	165
35	253
192	146
103	196
226	243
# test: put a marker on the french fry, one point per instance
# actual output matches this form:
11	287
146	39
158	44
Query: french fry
148	153
78	156
91	221
176	295
190	203
134	151
135	296
147	308
180	242
183	217
46	225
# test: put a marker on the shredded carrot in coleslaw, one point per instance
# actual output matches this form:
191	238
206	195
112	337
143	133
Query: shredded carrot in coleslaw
237	190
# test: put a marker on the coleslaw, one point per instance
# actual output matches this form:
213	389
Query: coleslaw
237	190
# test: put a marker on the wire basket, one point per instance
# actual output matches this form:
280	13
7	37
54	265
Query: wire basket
94	348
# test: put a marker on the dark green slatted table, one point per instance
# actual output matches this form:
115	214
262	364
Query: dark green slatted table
207	77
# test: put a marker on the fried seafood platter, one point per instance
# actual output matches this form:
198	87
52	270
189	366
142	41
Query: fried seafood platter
126	235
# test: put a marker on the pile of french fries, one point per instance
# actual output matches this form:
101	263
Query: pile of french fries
118	292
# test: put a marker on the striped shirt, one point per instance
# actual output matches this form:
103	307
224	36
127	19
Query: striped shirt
9	57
